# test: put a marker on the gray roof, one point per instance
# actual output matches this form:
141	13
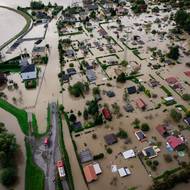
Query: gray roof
38	49
90	74
85	155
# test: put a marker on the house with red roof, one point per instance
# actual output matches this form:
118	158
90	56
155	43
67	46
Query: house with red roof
171	80
140	104
106	113
162	130
90	173
175	142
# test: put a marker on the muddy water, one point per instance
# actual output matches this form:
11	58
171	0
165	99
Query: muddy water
13	127
11	23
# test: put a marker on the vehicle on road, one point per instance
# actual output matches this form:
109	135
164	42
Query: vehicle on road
60	167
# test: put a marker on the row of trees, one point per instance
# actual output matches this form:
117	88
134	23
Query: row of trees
170	179
8	150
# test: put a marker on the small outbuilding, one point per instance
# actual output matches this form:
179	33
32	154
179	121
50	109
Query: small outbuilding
140	135
110	139
131	90
128	154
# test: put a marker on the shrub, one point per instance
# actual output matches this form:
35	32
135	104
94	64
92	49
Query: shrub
148	162
186	97
98	156
167	158
121	78
155	163
145	127
122	134
71	65
175	115
8	176
109	150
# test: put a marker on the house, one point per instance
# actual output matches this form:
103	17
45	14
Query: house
171	80
187	120
102	32
110	94
131	90
3	79
107	114
92	7
128	107
149	152
85	156
77	126
140	135
176	143
90	74
65	78
124	172
169	100
110	139
128	154
97	168
162	130
28	72
39	51
71	71
70	53
140	104
89	173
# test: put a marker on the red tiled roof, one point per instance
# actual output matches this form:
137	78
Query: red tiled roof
171	80
89	173
106	113
140	103
174	142
187	73
161	129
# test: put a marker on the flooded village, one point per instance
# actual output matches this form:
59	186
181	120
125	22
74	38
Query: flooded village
95	95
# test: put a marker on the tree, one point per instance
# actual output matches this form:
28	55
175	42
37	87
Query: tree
85	114
93	15
122	134
8	176
73	118
96	90
121	78
175	115
93	107
174	53
124	63
167	158
186	97
145	127
98	120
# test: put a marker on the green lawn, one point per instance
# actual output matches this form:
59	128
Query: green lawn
20	114
34	176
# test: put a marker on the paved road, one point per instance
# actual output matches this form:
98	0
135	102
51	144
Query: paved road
46	157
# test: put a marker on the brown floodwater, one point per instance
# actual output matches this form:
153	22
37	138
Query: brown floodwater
13	127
